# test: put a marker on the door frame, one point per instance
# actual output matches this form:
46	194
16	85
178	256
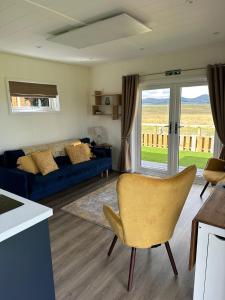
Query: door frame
175	85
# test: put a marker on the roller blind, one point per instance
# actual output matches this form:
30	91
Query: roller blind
27	89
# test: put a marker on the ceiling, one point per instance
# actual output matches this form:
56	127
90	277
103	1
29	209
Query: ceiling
26	26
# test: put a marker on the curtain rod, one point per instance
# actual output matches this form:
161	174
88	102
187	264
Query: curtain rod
182	70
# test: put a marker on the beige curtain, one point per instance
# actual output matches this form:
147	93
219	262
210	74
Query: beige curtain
129	106
216	80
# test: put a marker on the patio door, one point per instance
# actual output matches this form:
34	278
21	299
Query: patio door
157	134
175	127
194	126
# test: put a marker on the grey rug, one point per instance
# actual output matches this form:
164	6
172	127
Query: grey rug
89	207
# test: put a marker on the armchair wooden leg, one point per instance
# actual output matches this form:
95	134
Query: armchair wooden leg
112	245
205	187
131	271
107	173
171	258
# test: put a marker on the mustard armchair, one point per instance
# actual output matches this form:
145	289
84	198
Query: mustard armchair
213	172
149	209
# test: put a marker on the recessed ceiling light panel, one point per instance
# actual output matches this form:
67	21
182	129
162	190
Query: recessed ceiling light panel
114	28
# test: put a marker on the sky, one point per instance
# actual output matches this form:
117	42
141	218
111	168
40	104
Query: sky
187	92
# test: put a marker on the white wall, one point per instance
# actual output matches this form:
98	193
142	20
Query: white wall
107	77
33	128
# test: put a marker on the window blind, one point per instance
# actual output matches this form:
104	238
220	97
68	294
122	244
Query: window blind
27	89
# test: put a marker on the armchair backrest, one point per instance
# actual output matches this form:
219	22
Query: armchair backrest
150	207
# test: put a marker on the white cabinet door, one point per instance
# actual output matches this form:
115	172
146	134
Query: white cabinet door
215	269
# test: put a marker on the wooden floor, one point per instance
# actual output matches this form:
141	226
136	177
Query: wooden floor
82	269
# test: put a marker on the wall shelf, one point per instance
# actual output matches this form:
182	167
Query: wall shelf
107	104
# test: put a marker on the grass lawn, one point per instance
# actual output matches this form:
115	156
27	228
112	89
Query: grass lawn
186	157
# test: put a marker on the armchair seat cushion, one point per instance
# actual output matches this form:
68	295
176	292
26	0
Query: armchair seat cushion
213	176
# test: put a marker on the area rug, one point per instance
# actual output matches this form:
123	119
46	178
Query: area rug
90	207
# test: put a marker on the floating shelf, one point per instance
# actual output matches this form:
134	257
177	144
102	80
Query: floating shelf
102	95
107	104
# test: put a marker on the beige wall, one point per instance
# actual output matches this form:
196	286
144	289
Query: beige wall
76	84
26	129
107	77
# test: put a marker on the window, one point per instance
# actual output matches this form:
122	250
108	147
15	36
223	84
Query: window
33	97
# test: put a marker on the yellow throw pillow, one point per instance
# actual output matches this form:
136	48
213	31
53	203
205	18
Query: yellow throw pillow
75	143
44	161
78	153
26	163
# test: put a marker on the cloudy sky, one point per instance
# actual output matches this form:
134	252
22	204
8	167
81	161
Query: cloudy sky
187	92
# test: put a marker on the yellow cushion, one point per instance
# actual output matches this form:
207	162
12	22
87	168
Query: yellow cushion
44	161
213	176
75	143
26	163
78	153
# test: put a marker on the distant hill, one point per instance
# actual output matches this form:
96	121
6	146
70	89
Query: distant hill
203	99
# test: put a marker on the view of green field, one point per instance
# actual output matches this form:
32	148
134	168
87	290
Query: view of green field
196	119
186	158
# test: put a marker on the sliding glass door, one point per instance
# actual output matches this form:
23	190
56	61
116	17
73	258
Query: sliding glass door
175	127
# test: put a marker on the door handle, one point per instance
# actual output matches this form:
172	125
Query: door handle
176	127
220	237
170	127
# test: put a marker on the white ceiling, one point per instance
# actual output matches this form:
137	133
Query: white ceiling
26	26
100	32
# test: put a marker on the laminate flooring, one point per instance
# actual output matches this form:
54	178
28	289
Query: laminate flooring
83	271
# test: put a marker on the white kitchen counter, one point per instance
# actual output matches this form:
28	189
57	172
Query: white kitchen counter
21	218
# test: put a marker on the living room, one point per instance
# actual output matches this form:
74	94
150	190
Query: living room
112	160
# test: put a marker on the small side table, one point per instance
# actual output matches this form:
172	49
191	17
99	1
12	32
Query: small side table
108	152
104	145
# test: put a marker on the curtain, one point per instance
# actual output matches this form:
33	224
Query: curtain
129	107
216	81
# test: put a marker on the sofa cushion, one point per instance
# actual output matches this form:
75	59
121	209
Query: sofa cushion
62	160
57	148
63	173
78	153
69	170
85	140
96	165
45	161
11	157
79	168
26	163
66	176
213	176
40	181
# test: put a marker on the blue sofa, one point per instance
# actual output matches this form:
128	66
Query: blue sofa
37	187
